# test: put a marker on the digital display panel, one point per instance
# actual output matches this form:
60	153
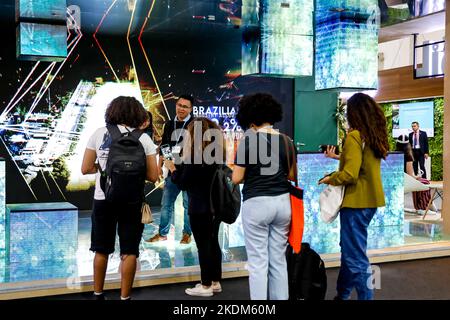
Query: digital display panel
3	226
346	44
404	114
313	166
54	10
41	42
286	54
278	38
287	17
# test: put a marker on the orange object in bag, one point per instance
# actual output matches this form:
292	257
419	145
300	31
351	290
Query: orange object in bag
296	195
297	219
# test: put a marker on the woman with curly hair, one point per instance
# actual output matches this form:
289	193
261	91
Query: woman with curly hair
266	210
124	115
360	171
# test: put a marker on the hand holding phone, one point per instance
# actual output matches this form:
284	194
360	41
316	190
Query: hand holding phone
166	151
324	179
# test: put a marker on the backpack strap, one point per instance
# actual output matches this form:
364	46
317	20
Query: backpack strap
137	133
291	159
114	131
211	188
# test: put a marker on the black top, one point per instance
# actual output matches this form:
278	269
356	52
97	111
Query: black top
258	183
169	128
196	180
407	158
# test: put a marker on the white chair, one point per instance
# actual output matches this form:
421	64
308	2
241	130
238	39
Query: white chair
411	185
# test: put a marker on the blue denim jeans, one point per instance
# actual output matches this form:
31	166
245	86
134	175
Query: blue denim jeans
170	194
355	267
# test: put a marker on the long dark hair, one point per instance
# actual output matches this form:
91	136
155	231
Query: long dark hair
127	111
406	149
366	116
206	125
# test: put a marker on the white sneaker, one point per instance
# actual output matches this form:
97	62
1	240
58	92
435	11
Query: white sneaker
199	291
216	287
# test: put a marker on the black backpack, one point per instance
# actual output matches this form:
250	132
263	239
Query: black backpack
225	196
306	274
124	178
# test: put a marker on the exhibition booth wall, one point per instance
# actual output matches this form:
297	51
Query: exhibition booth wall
196	47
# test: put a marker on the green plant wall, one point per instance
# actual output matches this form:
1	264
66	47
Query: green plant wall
436	143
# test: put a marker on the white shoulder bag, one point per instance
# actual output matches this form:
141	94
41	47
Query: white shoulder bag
330	201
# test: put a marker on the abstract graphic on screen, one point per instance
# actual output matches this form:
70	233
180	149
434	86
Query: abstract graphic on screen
278	37
44	42
346	44
386	228
150	50
54	10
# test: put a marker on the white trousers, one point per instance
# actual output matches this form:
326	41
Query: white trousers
266	222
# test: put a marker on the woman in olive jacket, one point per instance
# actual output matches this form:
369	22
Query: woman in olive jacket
360	171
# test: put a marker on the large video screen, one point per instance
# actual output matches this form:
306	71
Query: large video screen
48	110
404	114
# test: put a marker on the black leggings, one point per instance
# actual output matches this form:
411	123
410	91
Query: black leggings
206	234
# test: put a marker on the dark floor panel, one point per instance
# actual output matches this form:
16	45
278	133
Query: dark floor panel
419	279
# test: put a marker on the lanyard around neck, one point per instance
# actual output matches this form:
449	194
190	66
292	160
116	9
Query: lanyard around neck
175	128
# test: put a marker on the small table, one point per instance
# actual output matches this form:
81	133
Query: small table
437	188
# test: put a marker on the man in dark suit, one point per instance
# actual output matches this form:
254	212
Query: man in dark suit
419	142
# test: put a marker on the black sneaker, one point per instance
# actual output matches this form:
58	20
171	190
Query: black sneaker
99	297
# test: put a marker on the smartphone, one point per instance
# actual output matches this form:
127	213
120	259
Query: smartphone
166	151
323	148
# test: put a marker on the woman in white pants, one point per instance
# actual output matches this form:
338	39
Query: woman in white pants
261	162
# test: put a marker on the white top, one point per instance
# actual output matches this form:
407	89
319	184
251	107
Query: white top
100	142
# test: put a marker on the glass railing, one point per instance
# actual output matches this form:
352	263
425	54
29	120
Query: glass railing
396	11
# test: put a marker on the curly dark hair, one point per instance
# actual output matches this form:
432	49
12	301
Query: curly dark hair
126	111
257	109
366	116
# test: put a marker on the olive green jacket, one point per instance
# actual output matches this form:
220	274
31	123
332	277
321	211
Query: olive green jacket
360	172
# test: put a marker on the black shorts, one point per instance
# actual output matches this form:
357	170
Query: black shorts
107	218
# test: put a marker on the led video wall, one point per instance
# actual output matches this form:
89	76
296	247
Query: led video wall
3	226
41	31
41	9
346	53
43	42
386	228
49	110
278	37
